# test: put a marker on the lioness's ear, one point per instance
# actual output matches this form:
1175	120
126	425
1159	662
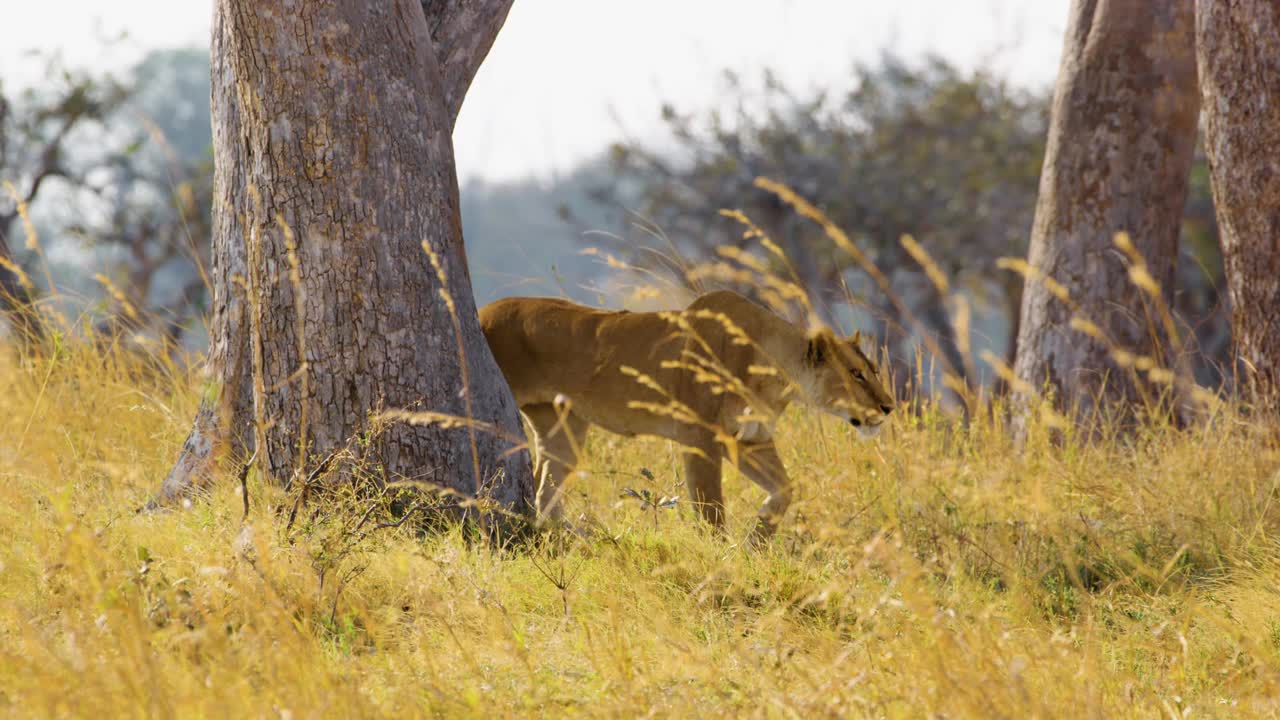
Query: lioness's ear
816	354
856	339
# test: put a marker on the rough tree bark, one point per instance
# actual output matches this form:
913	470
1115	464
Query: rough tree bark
332	125
1120	146
1239	56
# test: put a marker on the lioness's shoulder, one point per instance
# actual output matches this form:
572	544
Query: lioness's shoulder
742	310
529	303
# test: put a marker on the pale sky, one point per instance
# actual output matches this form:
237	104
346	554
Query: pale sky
566	77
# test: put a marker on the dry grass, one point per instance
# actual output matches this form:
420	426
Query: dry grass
935	570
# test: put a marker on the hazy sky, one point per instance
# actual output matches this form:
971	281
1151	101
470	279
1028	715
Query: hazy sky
568	76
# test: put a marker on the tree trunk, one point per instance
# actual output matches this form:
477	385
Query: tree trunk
334	167
1119	153
1239	54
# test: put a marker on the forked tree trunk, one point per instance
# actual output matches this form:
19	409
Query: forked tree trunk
332	125
1239	54
1119	153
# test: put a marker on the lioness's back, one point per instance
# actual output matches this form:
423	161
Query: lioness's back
549	346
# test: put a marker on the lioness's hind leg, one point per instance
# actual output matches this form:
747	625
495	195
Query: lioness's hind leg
557	442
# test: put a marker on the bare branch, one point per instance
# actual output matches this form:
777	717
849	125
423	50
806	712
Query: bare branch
50	160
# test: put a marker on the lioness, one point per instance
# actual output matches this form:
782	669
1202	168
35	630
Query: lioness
714	377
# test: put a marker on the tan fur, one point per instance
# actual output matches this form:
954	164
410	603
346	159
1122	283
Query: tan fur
714	378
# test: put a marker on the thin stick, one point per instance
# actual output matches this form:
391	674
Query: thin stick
244	481
306	487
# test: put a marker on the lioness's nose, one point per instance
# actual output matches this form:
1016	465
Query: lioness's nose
886	409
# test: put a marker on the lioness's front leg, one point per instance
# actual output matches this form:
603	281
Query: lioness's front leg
702	476
762	466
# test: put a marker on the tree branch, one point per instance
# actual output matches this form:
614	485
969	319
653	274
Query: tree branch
463	31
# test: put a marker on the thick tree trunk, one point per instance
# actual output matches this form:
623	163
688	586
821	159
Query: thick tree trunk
1119	152
1239	55
332	141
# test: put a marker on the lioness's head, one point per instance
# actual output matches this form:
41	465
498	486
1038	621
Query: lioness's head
843	381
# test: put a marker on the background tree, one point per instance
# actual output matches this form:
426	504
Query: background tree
1239	60
334	164
1119	154
154	242
154	205
38	132
117	177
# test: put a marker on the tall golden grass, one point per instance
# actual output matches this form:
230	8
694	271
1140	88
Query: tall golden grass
937	571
